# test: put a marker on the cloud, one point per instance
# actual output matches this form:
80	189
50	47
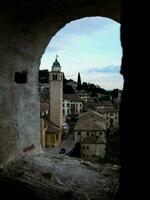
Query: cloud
89	25
84	43
108	69
79	31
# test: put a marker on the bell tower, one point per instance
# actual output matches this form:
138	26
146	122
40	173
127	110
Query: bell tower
56	97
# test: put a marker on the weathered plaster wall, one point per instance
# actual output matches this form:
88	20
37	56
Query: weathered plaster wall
26	28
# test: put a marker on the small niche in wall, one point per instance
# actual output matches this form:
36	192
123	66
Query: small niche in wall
21	77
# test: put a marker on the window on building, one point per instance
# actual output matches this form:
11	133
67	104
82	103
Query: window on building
87	133
83	147
79	133
100	133
87	147
54	77
56	136
68	104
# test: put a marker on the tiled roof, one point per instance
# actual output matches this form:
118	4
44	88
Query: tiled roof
108	110
90	121
90	112
52	128
44	106
90	125
72	97
104	103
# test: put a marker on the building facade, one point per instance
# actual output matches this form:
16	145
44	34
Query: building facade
72	104
90	131
111	116
54	130
85	96
92	148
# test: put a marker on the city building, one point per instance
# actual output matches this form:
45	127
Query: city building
44	109
90	131
84	95
93	148
111	116
110	112
43	87
104	104
72	104
54	129
117	100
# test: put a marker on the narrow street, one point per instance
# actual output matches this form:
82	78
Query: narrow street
67	144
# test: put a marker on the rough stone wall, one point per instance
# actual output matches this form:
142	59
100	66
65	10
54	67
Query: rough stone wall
26	27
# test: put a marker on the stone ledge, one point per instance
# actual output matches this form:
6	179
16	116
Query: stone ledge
58	176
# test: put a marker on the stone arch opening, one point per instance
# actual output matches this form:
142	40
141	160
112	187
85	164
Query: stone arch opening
25	34
23	42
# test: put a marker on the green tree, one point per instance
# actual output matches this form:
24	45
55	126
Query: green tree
79	82
112	148
85	86
64	80
43	76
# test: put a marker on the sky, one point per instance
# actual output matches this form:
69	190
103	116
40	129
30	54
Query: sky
90	46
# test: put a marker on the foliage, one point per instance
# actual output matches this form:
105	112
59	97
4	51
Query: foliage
79	82
43	76
64	80
105	98
90	87
112	148
114	93
76	152
68	89
93	94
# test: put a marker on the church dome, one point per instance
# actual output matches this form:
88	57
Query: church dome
56	66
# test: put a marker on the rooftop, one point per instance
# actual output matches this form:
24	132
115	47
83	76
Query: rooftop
52	128
104	103
90	121
72	97
44	106
108	110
